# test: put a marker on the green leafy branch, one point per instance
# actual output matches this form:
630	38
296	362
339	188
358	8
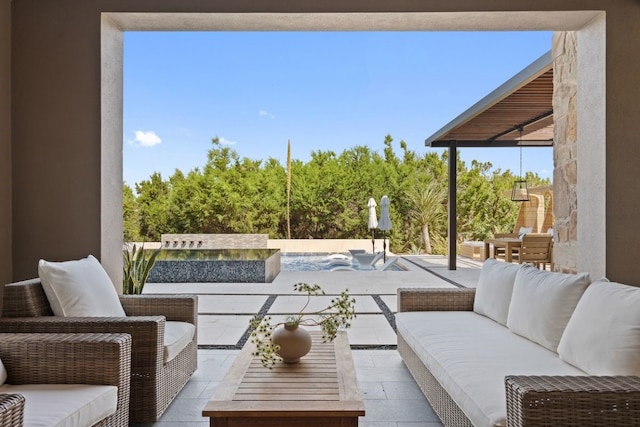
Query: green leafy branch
136	269
337	315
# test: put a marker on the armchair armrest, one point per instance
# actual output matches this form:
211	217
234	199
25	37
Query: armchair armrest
572	400
147	333
67	358
435	299
182	308
11	410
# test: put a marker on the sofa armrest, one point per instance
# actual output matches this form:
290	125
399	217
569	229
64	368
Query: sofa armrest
11	410
572	400
435	299
181	308
147	333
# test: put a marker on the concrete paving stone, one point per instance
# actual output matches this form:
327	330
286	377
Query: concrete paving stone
400	374
371	329
362	358
194	389
391	301
364	423
399	411
230	304
221	330
386	359
372	390
421	424
293	303
185	410
401	390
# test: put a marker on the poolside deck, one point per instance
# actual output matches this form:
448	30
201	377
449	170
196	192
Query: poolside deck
391	397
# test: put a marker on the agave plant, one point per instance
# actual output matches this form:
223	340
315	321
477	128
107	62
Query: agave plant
136	268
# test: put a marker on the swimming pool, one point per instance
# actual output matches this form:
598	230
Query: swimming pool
315	262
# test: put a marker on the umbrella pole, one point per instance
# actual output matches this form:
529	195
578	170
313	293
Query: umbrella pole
373	240
384	246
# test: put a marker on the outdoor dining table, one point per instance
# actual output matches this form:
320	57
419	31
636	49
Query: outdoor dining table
508	243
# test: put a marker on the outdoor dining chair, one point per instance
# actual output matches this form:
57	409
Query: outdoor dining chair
536	248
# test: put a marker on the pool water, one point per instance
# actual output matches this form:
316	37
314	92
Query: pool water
315	262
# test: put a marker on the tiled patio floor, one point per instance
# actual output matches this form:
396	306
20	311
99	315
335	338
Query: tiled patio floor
391	397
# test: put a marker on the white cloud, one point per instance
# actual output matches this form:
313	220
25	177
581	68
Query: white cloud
147	139
545	172
225	141
266	115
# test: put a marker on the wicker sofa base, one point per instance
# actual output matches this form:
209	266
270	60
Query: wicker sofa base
444	406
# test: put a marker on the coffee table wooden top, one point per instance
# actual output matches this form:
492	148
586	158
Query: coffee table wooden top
322	384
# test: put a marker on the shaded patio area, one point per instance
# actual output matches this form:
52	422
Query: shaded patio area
392	399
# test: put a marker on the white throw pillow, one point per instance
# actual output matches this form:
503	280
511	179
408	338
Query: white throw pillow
542	303
603	335
495	286
79	288
523	231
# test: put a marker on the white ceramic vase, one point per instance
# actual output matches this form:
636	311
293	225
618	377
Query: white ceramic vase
294	342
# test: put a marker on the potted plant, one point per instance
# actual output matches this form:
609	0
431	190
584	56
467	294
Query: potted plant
286	341
136	268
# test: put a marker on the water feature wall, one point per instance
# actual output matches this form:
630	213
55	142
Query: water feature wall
216	266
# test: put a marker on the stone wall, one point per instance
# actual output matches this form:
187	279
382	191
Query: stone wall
215	241
565	177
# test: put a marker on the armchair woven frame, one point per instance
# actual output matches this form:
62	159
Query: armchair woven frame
154	384
97	359
531	401
11	410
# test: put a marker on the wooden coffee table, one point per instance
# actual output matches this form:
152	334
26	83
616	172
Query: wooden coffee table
319	391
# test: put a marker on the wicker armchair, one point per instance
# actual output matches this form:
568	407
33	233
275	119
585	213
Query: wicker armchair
11	410
154	383
99	359
531	401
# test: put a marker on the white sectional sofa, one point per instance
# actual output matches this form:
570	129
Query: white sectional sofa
526	348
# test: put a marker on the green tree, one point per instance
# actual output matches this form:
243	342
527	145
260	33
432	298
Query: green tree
131	222
153	207
425	203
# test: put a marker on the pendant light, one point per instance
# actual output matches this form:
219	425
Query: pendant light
520	191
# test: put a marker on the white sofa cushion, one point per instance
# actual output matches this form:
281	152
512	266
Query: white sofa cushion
470	355
79	288
65	405
495	286
542	303
603	335
176	337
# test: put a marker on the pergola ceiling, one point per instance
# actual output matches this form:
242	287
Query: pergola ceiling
524	101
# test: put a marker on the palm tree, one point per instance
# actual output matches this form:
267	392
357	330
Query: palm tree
426	208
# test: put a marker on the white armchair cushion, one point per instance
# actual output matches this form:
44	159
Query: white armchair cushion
176	337
3	373
65	405
542	303
79	288
495	286
603	335
523	231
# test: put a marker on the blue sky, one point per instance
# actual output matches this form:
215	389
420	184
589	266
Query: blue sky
320	90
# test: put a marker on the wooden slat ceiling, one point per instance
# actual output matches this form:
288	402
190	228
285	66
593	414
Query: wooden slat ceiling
525	100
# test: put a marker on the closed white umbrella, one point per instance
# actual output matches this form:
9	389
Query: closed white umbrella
373	221
385	223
